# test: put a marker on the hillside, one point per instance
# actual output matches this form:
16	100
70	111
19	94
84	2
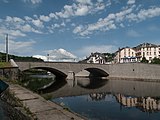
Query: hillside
19	58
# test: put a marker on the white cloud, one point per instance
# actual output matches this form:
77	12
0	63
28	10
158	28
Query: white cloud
16	33
12	33
57	55
14	20
144	14
78	29
17	47
105	24
17	27
66	12
87	50
33	1
85	2
45	18
27	18
28	28
52	27
115	20
81	8
52	15
37	23
131	2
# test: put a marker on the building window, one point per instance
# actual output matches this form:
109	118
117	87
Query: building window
147	53
154	53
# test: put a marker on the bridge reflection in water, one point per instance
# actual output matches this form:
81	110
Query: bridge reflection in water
137	97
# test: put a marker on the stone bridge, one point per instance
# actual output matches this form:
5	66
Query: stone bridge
67	69
70	70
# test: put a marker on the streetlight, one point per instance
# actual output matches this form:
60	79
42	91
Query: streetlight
6	47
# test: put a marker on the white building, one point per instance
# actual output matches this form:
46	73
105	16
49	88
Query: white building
147	50
96	58
125	55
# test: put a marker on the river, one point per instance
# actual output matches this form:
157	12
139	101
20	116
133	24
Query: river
99	99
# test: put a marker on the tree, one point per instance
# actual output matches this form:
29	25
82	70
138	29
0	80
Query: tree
144	60
155	61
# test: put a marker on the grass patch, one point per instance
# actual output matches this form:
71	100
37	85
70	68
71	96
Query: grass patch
5	64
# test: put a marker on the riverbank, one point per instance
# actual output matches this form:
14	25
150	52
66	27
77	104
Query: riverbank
40	108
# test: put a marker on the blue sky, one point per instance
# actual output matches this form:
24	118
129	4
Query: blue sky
38	27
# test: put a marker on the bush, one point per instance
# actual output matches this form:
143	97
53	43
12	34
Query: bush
144	60
155	61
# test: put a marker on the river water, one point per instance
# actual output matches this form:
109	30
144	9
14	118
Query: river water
99	99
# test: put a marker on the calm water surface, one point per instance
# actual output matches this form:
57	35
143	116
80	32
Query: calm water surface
109	99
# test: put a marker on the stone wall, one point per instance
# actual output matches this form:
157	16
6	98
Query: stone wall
135	71
11	73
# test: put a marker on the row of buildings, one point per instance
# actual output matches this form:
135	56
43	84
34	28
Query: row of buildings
128	54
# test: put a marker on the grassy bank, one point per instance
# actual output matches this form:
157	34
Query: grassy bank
4	64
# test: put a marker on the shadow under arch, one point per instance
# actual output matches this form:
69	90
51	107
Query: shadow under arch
57	73
91	83
96	72
59	80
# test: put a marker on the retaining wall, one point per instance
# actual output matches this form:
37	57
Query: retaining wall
11	73
135	71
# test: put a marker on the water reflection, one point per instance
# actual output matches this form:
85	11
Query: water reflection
91	83
122	98
97	96
145	104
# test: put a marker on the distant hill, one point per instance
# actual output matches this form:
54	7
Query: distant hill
19	58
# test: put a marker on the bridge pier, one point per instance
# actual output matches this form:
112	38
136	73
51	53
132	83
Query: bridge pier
71	79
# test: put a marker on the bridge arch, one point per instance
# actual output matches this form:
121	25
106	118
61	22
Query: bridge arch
96	72
59	74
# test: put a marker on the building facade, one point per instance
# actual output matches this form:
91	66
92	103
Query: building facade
96	58
135	54
125	55
147	50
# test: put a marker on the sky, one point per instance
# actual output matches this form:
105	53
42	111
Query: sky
75	28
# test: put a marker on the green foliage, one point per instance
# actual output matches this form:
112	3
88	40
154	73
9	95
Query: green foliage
144	60
35	83
33	80
35	72
109	56
19	58
155	61
4	64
